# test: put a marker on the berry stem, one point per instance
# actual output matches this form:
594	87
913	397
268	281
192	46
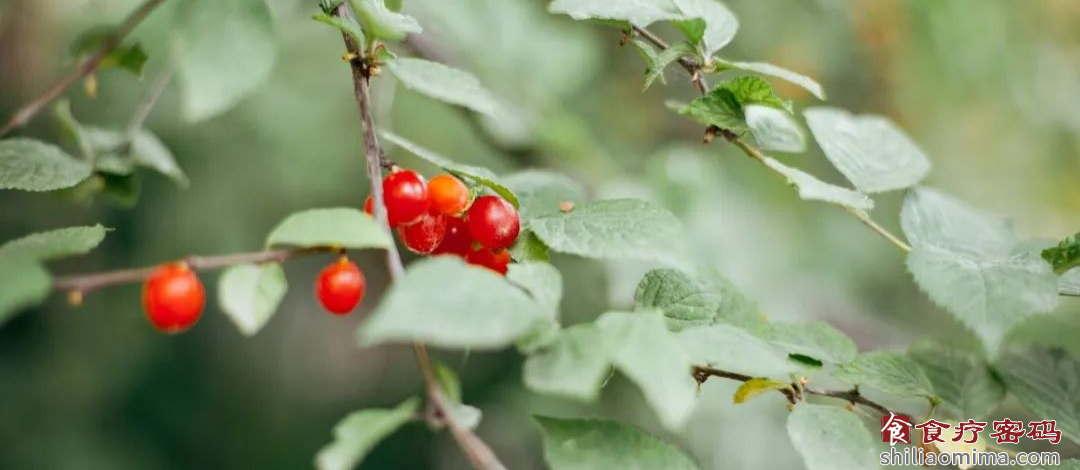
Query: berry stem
478	452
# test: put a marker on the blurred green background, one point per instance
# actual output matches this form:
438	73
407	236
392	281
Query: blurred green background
989	88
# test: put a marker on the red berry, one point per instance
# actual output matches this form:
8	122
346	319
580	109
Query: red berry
340	286
457	240
497	260
369	206
173	297
423	236
405	195
448	195
493	222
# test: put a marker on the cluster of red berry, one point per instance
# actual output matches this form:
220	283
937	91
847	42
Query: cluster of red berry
436	218
432	218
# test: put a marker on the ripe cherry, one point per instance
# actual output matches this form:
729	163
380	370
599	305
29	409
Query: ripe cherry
173	297
497	260
448	195
424	236
457	240
340	286
369	206
406	197
493	222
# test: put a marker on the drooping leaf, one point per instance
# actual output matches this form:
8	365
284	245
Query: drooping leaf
444	302
1064	256
774	129
573	365
757	386
361	431
346	25
816	340
146	150
249	294
831	438
663	59
965	260
381	22
228	53
812	189
870	151
638	12
588	444
23	283
56	244
1047	382
480	175
613	229
733	349
682	300
644	350
32	165
542	192
720	23
962	380
771	70
444	83
892	373
339	227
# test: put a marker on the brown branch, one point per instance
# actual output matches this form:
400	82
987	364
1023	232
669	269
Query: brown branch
478	453
87	66
85	283
792	394
694	69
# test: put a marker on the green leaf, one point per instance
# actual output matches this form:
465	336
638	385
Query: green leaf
32	165
146	150
543	283
723	105
346	25
228	53
1047	382
965	260
1064	256
541	192
480	175
574	365
589	444
249	294
869	150
642	348
962	380
813	339
638	12
613	229
444	83
360	432
720	23
892	373
339	227
774	129
754	90
663	59
771	70
448	381
736	350
693	29
381	22
682	300
529	248
130	57
446	303
56	244
831	438
757	386
23	283
812	189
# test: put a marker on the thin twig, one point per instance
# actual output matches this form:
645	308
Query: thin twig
692	67
478	452
701	374
87	66
85	283
146	104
